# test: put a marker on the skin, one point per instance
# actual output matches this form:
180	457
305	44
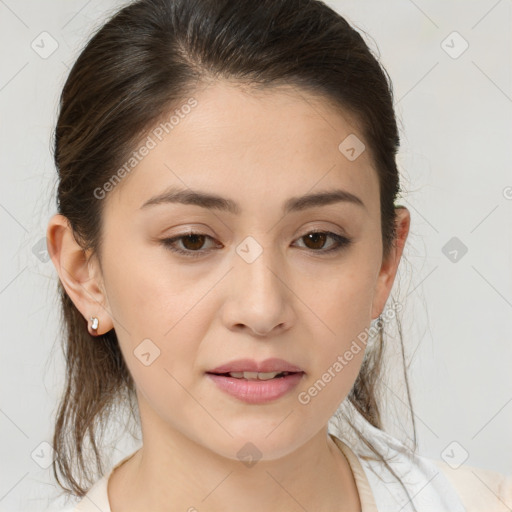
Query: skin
258	149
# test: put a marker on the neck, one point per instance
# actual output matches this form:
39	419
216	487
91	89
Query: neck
173	472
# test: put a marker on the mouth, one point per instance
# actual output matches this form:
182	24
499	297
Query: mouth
249	368
255	375
256	382
256	387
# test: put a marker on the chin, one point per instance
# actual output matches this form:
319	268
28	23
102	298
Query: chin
263	440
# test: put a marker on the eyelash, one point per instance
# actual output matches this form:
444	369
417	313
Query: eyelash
342	243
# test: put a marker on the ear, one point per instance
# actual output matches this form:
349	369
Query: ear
79	274
389	266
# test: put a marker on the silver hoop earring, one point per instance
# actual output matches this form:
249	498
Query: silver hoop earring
94	323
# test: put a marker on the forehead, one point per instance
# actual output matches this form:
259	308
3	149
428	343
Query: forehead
280	139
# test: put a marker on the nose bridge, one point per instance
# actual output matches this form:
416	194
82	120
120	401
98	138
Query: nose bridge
255	271
259	296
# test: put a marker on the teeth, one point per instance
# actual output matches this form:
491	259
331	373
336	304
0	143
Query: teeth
267	376
254	375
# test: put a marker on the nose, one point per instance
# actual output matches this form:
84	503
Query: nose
260	299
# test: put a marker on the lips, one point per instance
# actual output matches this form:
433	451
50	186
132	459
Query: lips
256	382
249	365
257	391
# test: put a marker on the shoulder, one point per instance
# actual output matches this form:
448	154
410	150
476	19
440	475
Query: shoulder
480	490
96	498
405	480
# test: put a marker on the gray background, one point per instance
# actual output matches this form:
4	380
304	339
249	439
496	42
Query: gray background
455	115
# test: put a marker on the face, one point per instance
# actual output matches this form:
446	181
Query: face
190	287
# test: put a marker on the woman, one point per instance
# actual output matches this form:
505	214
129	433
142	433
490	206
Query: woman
226	234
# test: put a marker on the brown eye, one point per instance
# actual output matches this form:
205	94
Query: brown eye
193	242
315	240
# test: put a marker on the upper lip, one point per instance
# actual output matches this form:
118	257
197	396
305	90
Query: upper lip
249	365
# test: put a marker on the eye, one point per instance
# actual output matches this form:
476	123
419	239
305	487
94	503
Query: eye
315	240
193	243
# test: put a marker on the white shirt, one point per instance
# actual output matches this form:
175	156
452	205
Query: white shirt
433	486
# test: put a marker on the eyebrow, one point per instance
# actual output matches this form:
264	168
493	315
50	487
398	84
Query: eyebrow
215	202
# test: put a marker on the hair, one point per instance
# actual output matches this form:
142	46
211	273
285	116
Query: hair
135	69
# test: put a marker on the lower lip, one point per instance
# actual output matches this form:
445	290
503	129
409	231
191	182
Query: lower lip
257	391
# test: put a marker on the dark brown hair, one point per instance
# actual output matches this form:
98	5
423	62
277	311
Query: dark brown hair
136	68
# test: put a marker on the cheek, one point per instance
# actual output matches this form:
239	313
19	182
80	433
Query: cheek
342	299
151	298
341	316
160	320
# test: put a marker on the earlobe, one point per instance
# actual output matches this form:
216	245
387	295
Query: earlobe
389	266
80	277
